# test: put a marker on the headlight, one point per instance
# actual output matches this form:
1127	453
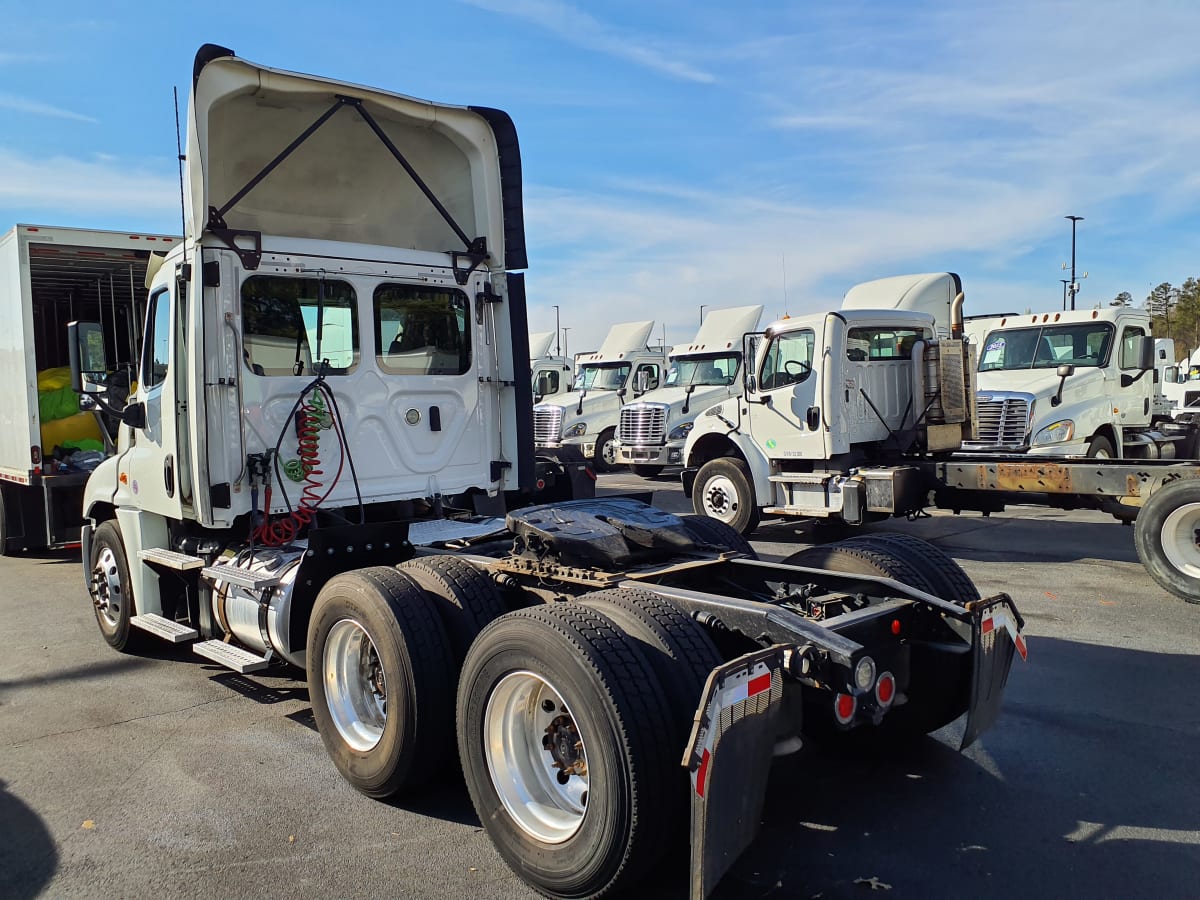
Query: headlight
576	430
1056	433
680	432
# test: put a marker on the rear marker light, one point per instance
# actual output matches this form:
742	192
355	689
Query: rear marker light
844	707
885	690
895	626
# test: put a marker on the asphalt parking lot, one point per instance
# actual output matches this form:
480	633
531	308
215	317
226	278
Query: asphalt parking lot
165	776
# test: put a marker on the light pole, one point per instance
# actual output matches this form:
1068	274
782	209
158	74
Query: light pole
1064	284
564	337
557	332
702	308
1074	284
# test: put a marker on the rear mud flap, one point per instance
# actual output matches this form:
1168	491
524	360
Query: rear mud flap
729	759
996	637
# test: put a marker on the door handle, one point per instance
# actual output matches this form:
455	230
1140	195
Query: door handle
169	475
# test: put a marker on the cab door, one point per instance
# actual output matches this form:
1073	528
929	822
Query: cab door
784	411
151	469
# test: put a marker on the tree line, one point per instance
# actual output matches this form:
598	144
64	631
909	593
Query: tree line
1175	312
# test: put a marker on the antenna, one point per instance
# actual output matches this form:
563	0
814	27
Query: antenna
785	299
181	157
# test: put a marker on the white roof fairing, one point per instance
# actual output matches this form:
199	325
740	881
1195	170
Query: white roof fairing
341	183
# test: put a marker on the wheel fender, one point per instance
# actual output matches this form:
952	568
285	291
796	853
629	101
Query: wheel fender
740	446
141	530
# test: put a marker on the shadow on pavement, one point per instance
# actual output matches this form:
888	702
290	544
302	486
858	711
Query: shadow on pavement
1042	807
78	673
28	857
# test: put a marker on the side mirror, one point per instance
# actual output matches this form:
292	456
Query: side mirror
751	384
545	384
1143	348
1063	372
85	350
641	381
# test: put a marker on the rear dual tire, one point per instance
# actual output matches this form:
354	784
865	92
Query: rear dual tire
565	684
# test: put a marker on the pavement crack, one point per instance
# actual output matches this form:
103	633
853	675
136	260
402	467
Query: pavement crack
155	715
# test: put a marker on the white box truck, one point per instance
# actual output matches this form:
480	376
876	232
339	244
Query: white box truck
49	277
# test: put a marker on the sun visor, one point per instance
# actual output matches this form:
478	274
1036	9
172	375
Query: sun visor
341	181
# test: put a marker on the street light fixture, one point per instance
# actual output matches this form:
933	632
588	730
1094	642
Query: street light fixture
1074	284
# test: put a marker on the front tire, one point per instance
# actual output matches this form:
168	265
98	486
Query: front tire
1101	447
381	681
605	457
112	589
1165	537
724	491
561	737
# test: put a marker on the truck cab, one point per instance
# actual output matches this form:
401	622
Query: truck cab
584	424
552	375
652	430
1071	383
828	396
318	345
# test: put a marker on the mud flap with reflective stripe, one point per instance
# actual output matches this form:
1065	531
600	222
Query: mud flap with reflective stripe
729	759
996	637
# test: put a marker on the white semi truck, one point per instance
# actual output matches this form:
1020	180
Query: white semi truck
566	657
1071	383
585	426
651	431
50	276
552	375
855	415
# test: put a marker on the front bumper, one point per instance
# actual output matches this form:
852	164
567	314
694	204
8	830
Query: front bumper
665	455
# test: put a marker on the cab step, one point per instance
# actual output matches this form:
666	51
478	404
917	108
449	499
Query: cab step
167	629
169	559
246	578
231	656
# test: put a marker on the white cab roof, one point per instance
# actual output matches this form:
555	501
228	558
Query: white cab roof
722	329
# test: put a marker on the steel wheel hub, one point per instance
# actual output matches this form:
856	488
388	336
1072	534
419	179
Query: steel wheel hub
608	452
355	686
536	757
1180	536
108	595
720	499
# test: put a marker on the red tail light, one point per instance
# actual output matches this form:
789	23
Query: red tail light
844	707
885	690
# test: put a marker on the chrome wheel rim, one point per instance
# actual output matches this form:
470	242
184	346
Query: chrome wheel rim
720	499
536	757
355	686
1179	539
110	596
608	452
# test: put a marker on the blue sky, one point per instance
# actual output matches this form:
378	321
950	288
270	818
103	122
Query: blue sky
687	152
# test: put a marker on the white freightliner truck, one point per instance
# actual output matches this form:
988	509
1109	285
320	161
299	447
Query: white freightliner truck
855	415
584	426
651	431
333	364
48	277
1071	383
552	375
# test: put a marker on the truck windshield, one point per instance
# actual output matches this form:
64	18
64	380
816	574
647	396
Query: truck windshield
609	377
704	370
1084	344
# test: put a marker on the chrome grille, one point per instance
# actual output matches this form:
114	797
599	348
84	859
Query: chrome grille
642	424
1003	423
547	424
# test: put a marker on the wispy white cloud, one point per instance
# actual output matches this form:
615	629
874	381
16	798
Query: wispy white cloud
69	186
37	108
582	29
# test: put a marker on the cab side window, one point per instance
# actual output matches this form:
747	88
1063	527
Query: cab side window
156	353
649	372
788	360
1129	338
